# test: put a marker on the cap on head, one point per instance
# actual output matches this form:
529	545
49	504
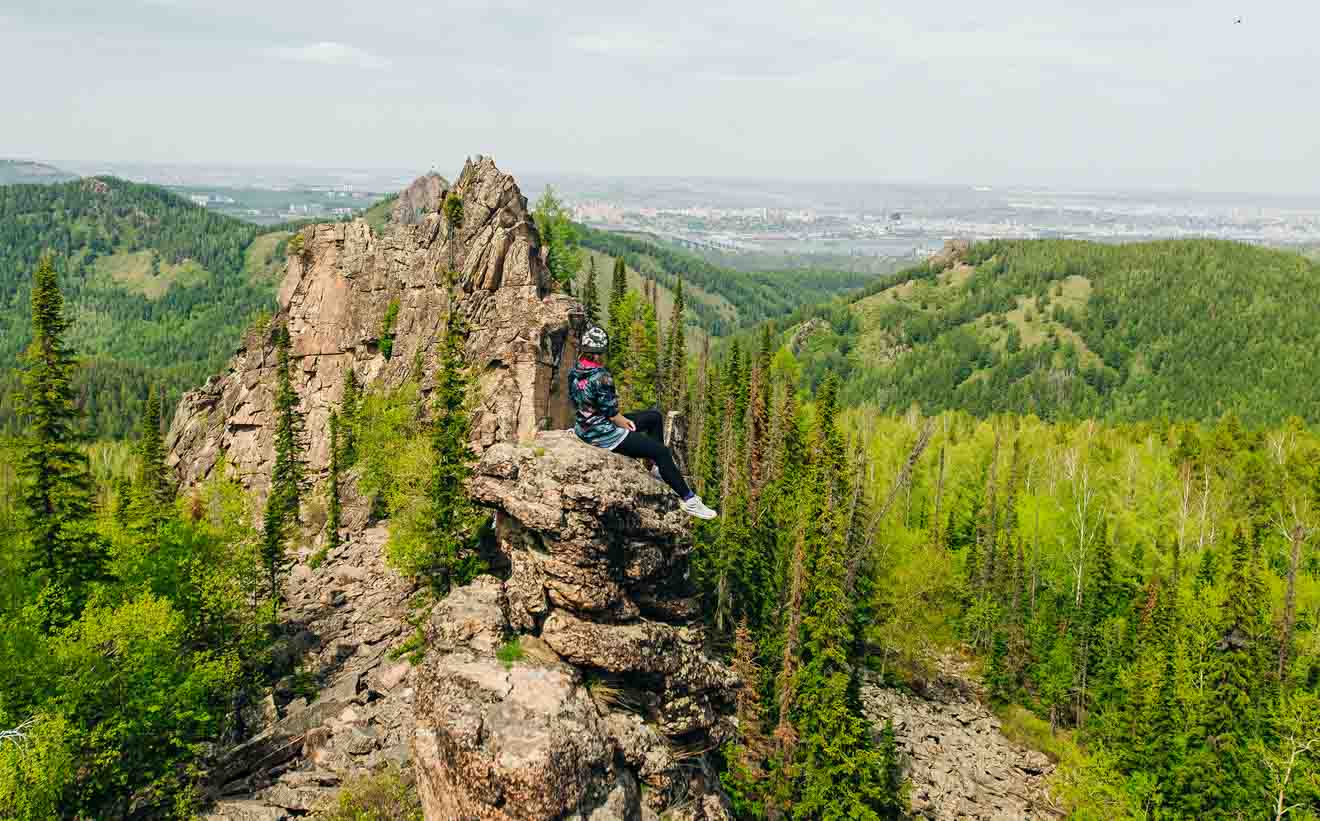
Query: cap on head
595	340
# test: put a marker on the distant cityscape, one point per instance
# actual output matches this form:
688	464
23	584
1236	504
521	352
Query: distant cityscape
777	216
916	220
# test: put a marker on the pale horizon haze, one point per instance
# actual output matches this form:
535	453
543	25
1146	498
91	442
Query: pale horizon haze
1113	94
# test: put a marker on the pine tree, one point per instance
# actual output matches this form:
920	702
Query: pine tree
151	496
747	757
712	425
642	369
842	773
349	402
622	355
454	520
1221	774
988	533
332	489
67	555
284	502
675	359
618	324
590	304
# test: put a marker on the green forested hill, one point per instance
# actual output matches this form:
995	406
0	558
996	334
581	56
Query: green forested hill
1186	329
158	288
720	298
25	171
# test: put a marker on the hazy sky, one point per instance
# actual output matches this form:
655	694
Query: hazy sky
1064	92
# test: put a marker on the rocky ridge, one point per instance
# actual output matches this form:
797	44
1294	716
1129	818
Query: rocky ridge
334	299
611	702
955	756
610	709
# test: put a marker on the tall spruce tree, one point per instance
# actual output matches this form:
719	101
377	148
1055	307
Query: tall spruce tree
842	772
152	492
349	402
1221	775
623	356
287	476
590	298
618	323
454	520
332	487
67	554
675	359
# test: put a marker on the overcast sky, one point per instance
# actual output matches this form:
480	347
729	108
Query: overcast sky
1053	92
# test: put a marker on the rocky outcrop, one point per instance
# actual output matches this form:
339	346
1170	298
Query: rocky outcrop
334	300
347	710
958	762
423	195
953	252
606	707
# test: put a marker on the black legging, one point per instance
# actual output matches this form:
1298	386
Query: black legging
647	442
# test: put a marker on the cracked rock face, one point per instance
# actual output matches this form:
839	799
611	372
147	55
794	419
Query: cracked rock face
335	296
595	719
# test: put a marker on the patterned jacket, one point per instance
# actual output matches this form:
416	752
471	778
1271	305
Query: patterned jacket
591	387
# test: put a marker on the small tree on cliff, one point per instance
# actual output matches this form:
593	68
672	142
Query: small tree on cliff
438	542
332	490
349	402
453	212
287	476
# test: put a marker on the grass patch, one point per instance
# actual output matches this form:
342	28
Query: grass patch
262	263
383	796
144	272
412	649
511	651
318	558
1021	726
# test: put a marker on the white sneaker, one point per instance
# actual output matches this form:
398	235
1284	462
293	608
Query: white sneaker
696	507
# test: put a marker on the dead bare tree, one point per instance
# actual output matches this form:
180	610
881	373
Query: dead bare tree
1079	475
17	735
792	636
1297	532
1184	504
938	522
900	481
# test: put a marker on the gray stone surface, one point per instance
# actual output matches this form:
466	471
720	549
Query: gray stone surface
958	761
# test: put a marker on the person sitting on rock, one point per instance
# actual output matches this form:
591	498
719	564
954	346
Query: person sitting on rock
639	434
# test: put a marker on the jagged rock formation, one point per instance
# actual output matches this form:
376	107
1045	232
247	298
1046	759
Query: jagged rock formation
335	297
611	710
424	194
605	715
958	761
